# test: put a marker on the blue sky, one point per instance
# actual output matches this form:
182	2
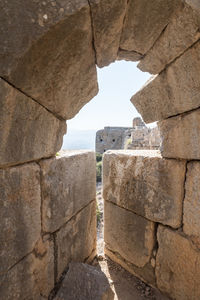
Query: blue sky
111	107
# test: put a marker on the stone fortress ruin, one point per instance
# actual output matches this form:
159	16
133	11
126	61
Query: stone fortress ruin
130	138
48	56
111	138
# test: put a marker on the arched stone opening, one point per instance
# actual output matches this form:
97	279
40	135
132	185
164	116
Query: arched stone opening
48	50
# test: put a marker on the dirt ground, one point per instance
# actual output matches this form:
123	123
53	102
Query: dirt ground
125	285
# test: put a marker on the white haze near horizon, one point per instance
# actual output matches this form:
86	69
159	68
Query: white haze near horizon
111	107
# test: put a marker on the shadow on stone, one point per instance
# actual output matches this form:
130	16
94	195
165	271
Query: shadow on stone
84	282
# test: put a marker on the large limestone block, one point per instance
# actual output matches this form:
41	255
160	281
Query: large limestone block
27	130
44	48
128	55
180	34
180	136
194	4
76	241
68	185
177	266
173	91
191	219
145	183
169	93
32	277
20	219
129	235
144	22
30	21
85	282
107	17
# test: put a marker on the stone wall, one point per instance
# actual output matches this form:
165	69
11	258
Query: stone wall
137	137
45	223
152	196
48	56
152	219
111	138
142	137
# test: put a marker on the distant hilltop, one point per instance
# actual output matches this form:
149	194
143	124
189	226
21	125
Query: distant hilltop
139	136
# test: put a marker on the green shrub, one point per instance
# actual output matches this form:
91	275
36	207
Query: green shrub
98	157
99	166
99	170
128	142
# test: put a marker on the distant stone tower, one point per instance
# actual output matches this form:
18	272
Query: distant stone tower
137	122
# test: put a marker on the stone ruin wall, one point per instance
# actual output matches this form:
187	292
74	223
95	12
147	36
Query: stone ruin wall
48	52
141	137
129	138
45	223
111	138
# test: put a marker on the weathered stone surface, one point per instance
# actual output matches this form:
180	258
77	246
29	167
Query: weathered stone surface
154	138
177	266
142	137
29	22
27	130
32	277
180	136
77	239
43	50
144	22
174	91
107	17
191	220
110	138
68	184
128	55
180	34
20	219
85	282
194	4
145	183
129	235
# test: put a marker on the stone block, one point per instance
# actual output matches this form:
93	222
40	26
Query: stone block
43	50
194	4
76	240
129	235
31	278
180	136
128	55
145	183
68	185
179	35
27	130
107	18
85	282
144	22
173	91
177	266
20	219
191	220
